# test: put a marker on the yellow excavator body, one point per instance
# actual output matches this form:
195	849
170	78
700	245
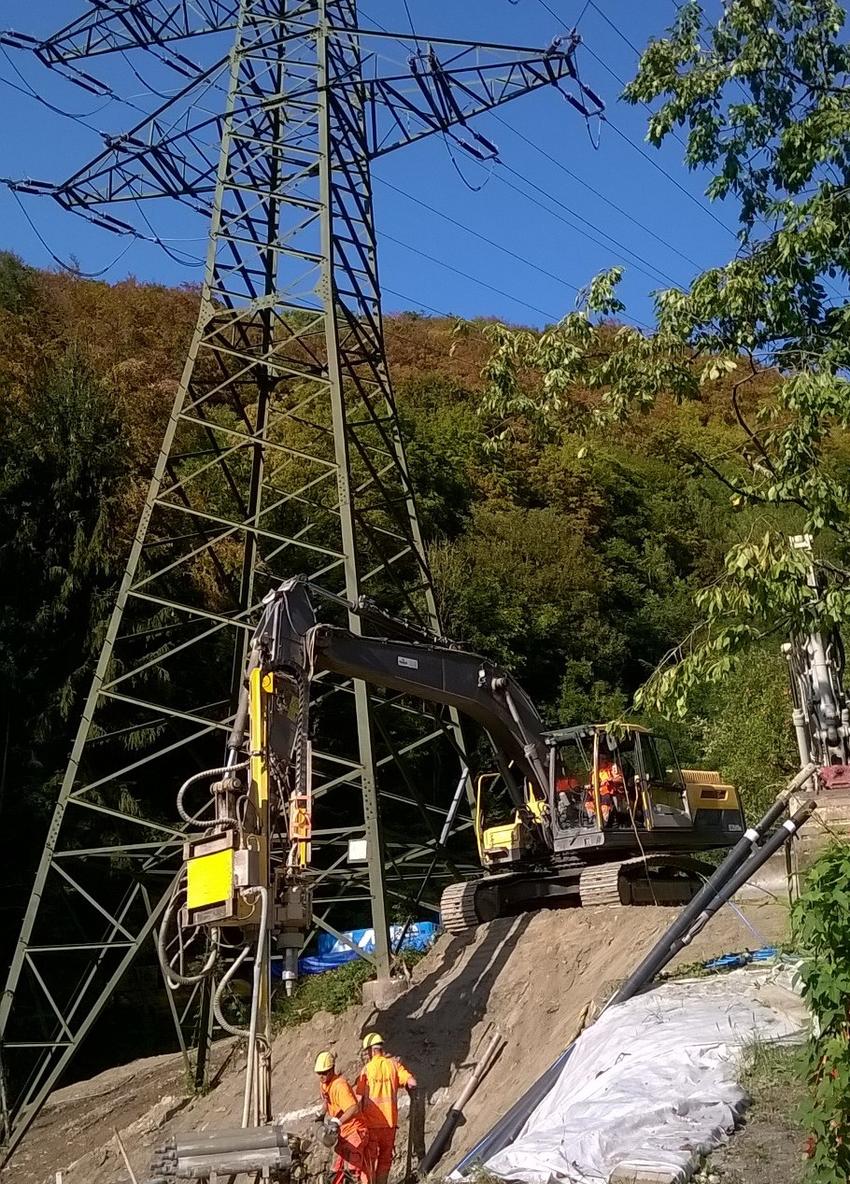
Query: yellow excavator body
507	842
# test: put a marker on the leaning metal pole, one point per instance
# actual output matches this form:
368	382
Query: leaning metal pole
282	454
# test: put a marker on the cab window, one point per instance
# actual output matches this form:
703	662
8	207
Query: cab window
572	766
660	761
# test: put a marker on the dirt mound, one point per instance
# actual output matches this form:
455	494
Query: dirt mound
530	977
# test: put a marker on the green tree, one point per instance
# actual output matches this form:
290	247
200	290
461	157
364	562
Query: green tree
743	727
763	95
18	286
62	461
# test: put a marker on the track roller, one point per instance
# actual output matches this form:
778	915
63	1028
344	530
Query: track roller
670	880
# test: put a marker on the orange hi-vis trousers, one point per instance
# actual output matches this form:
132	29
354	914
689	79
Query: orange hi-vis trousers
354	1157
381	1147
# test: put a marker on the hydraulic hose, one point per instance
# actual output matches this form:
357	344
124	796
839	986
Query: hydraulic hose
243	1033
204	776
172	977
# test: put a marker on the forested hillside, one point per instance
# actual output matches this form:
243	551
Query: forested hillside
572	560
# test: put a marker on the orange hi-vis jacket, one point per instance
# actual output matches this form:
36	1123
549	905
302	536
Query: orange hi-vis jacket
338	1097
378	1085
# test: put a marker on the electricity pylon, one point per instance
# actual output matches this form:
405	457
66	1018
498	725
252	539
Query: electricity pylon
282	454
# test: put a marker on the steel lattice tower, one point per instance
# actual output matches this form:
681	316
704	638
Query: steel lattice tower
282	454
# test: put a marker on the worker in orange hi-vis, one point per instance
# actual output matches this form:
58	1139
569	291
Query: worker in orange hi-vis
345	1127
378	1086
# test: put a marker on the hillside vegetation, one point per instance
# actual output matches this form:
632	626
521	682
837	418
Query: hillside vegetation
572	562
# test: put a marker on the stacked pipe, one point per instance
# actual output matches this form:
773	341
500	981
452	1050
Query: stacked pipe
267	1149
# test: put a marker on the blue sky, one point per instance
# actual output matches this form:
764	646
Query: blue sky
546	228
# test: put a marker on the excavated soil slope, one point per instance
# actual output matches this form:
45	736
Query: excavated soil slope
530	977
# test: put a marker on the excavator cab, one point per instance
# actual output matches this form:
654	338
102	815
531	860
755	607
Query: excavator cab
609	788
620	822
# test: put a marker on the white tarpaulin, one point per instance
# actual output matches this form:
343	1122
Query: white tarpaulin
652	1083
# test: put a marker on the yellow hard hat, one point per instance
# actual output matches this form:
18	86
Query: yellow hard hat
324	1062
371	1039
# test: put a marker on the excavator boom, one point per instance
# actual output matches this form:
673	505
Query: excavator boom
821	713
439	673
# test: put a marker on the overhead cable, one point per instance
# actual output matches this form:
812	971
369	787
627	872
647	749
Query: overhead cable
643	265
68	267
472	278
596	192
477	234
490	242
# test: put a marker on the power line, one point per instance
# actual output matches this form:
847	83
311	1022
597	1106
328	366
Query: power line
654	273
89	275
551	11
601	61
421	303
111	97
622	82
597	193
673	132
410	22
472	278
27	89
705	209
610	23
658	275
492	243
477	234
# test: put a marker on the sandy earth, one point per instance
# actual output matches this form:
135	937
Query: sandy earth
530	977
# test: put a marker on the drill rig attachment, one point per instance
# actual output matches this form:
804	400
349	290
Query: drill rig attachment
821	712
245	884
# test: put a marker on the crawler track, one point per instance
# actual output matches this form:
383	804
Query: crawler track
662	879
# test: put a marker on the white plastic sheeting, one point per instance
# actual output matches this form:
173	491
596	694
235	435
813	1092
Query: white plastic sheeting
652	1084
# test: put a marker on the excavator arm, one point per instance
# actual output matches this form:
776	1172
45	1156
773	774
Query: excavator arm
821	713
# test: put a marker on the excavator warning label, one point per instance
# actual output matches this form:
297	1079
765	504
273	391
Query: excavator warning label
410	663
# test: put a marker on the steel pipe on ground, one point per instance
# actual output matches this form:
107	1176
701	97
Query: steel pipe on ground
743	850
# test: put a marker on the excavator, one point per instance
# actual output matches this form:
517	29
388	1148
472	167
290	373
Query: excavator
582	815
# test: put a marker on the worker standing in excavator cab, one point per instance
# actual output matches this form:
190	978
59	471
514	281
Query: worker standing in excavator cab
378	1086
345	1128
